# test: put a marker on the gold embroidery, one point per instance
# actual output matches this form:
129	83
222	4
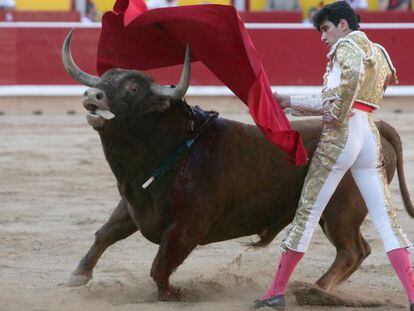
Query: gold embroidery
329	149
365	72
377	76
350	61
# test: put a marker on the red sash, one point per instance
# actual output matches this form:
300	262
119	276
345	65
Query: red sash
363	107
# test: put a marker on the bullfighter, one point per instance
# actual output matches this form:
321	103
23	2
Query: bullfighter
357	74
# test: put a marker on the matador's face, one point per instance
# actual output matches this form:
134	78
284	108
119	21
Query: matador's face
331	33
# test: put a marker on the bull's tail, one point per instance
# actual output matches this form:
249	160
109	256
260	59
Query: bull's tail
390	134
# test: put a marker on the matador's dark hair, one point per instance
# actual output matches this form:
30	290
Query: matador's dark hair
334	12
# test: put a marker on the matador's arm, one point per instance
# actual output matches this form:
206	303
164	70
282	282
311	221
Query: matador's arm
306	105
350	60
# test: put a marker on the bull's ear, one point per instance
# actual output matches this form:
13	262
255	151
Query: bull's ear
159	103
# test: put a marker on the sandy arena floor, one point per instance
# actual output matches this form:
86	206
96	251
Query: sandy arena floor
56	190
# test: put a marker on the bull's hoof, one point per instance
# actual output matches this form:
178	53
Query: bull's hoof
77	279
171	294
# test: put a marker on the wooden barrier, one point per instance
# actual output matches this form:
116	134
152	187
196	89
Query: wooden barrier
292	54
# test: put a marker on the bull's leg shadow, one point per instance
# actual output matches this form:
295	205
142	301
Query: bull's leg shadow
341	223
119	226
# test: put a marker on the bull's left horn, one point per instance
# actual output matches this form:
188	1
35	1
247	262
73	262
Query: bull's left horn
182	87
71	68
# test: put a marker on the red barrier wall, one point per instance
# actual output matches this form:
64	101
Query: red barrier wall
296	17
271	17
248	17
387	17
290	56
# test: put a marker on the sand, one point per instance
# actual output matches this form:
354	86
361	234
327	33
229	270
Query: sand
56	190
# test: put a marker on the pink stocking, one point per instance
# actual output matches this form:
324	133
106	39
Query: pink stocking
287	264
400	261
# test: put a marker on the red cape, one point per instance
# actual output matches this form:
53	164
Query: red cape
134	38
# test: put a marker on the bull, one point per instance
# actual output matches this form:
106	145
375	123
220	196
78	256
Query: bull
232	183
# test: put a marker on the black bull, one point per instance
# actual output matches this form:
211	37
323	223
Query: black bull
232	183
235	183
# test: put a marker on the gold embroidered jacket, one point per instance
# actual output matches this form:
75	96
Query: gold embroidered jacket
357	70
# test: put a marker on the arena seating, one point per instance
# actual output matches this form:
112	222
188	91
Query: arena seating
40	16
60	11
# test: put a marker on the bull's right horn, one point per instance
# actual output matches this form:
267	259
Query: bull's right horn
73	70
182	87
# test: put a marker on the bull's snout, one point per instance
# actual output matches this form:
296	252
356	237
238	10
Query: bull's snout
93	98
95	101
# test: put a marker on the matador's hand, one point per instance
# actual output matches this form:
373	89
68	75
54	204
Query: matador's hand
329	119
284	100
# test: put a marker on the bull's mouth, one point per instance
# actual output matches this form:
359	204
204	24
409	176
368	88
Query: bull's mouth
96	116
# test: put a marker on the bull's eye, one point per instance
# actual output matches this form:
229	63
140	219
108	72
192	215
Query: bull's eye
134	89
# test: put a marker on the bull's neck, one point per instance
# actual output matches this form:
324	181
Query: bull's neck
137	147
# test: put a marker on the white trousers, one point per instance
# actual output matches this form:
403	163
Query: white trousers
361	153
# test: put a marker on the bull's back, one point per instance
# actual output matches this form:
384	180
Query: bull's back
255	183
259	188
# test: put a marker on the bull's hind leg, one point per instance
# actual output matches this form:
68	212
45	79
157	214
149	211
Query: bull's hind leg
341	223
118	227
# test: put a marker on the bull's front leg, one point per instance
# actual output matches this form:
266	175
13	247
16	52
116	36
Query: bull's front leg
178	241
119	226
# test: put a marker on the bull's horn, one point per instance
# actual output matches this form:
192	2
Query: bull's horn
182	87
71	68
